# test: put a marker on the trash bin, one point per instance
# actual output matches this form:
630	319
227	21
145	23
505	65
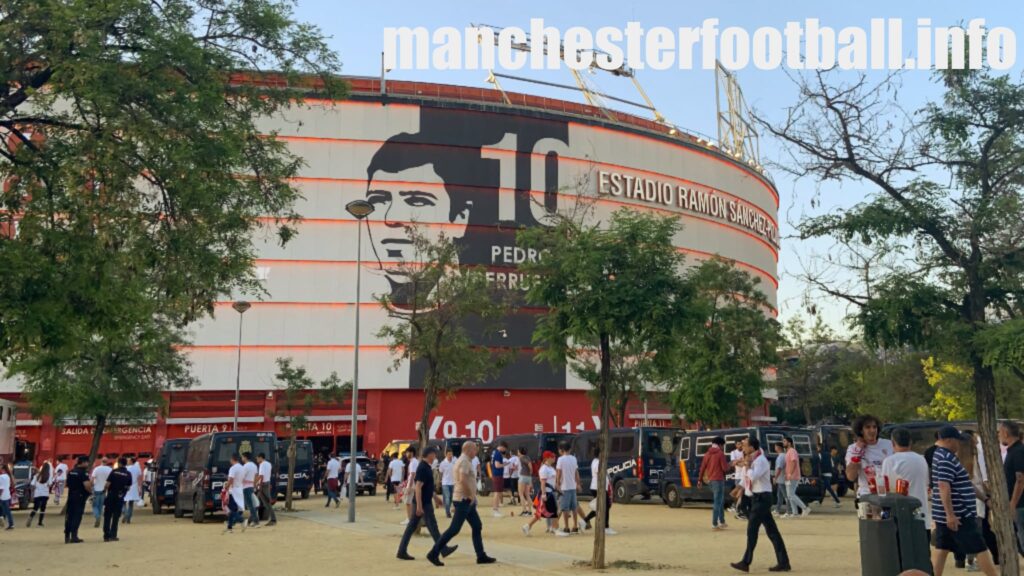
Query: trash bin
893	538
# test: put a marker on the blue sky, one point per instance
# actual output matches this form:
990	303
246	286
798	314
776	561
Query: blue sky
685	97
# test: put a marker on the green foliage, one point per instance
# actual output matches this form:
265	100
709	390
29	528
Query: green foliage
720	363
440	312
137	173
298	393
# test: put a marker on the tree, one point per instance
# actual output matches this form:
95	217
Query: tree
810	365
119	373
135	175
440	312
603	287
631	374
722	358
889	384
298	394
945	189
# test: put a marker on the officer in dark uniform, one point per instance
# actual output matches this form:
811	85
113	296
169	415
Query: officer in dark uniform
118	483
79	488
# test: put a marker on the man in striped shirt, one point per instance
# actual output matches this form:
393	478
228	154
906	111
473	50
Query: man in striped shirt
953	507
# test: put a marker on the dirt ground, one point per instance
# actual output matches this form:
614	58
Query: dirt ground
313	540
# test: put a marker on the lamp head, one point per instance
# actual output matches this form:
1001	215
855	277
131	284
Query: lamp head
241	306
359	208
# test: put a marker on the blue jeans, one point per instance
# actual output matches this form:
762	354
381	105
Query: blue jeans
97	504
446	494
129	507
826	479
718	502
1020	530
780	497
5	511
796	505
234	513
254	515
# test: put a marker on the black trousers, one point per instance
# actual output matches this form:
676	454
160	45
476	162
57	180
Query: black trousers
428	519
111	516
608	505
743	508
465	511
761	514
76	507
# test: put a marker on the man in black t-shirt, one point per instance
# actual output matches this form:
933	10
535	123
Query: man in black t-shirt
1013	466
424	500
118	483
79	488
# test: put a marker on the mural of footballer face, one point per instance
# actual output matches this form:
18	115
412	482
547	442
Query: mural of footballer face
411	185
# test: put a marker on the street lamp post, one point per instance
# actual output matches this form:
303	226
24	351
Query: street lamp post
241	306
360	209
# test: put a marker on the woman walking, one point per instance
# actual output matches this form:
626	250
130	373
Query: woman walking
525	482
546	506
41	483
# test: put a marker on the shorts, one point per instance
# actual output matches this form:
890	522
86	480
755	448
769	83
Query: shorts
497	484
525	480
510	484
567	502
966	539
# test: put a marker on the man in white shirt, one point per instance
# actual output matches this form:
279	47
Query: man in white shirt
395	470
265	486
567	479
235	494
60	476
134	492
758	483
910	467
99	483
333	486
348	475
446	467
779	479
864	457
512	475
249	472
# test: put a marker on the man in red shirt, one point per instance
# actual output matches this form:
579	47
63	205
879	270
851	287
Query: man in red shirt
712	471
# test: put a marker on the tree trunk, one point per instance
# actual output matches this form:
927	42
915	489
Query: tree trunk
807	414
101	424
429	395
1002	516
597	561
290	487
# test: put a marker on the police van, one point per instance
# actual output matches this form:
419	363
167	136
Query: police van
206	469
167	466
637	459
303	480
680	481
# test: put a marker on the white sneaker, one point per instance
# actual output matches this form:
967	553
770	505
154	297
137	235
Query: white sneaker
837	505
610	532
403	522
561	533
785	516
807	512
526	529
228	531
497	514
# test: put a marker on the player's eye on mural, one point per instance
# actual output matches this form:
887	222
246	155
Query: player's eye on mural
418	199
378	197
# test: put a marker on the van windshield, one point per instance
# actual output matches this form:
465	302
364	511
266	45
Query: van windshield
173	455
660	443
231	445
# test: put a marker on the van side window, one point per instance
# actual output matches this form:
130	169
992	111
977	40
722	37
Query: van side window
684	448
773	439
703	445
623	445
802	444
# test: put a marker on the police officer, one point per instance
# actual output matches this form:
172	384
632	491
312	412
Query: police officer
118	482
79	487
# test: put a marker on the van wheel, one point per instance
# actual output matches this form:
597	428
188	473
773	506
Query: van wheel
305	493
621	492
198	513
672	497
841	489
178	511
373	491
